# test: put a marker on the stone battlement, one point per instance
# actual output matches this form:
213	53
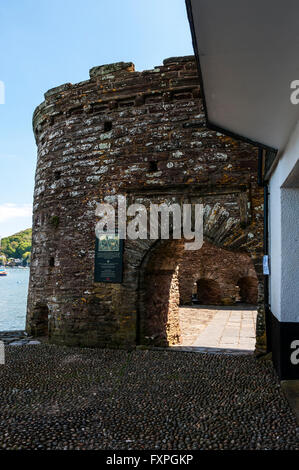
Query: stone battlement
116	85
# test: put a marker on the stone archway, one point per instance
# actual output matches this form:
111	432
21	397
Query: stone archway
208	292
222	266
158	292
248	289
158	319
231	233
40	323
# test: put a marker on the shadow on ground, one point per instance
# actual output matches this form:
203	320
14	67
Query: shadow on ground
69	398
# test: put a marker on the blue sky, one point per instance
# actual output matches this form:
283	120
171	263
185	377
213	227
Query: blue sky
45	43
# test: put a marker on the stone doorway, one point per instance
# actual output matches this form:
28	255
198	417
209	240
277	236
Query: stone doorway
215	275
248	287
222	314
158	322
40	322
217	321
208	292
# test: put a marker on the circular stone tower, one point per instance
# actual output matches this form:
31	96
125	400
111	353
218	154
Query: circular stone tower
140	134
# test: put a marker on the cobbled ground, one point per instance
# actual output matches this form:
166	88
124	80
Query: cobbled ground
72	398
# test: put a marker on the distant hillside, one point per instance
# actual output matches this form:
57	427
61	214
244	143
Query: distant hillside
17	245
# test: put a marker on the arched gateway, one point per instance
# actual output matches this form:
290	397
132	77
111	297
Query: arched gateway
141	135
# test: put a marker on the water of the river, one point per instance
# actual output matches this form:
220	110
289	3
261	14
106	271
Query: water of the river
13	299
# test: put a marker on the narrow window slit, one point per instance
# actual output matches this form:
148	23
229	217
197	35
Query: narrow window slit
107	126
153	166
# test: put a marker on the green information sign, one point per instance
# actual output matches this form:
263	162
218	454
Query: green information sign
109	258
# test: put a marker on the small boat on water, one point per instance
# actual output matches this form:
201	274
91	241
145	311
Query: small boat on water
3	272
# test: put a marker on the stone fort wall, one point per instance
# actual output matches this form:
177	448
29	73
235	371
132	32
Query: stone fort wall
140	134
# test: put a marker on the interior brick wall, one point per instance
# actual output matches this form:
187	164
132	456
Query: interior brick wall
221	270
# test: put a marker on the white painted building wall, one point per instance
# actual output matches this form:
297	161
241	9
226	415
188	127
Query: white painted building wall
284	225
290	255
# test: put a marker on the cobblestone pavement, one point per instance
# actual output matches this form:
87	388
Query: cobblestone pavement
69	398
217	329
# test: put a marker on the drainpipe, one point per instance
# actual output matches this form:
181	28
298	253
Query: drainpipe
264	184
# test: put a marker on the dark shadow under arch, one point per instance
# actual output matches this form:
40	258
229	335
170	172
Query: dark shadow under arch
157	289
248	289
208	292
40	320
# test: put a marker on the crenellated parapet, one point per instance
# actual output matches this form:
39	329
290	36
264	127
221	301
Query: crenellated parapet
115	86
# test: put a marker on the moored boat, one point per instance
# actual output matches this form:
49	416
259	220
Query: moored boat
3	272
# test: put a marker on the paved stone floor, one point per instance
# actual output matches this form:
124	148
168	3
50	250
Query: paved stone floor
71	398
226	329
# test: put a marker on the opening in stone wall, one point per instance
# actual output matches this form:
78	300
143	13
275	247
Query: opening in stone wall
208	292
158	322
247	290
107	126
218	299
153	166
40	320
215	319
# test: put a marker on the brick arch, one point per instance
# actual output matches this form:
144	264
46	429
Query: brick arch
208	291
248	289
219	264
246	236
40	323
218	224
158	300
157	286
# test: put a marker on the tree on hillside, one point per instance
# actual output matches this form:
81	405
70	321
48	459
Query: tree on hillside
16	245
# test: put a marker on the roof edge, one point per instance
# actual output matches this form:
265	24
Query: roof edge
209	124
